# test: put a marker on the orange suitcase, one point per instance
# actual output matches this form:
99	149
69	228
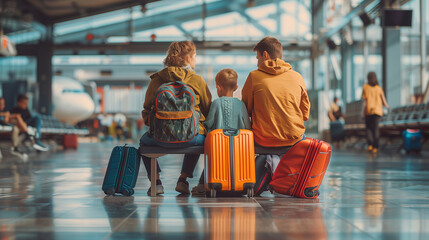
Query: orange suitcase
229	160
301	170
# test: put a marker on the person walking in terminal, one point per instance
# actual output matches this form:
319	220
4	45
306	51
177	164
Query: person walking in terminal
225	112
180	64
21	109
275	97
373	101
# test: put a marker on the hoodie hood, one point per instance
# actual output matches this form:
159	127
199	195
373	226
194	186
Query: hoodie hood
173	74
275	66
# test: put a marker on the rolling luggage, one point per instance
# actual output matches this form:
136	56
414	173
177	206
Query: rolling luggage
122	171
301	170
337	131
263	175
412	140
70	141
229	160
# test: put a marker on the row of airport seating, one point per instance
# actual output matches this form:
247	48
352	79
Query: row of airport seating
353	119
52	126
400	118
412	116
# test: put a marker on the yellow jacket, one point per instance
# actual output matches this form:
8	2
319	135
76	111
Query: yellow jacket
373	95
172	74
276	99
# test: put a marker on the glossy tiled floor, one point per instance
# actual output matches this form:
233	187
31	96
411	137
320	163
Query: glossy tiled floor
58	196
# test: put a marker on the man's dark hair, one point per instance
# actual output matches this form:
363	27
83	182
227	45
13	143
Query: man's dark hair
335	99
271	45
372	79
21	97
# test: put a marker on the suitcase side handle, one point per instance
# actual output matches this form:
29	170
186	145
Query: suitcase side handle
231	131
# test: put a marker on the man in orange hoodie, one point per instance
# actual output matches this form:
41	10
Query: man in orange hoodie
275	97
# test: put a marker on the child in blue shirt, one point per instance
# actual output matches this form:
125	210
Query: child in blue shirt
225	112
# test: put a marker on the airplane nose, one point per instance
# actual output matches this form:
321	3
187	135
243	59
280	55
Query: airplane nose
87	107
73	108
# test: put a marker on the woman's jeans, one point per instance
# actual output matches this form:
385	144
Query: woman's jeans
372	129
35	121
189	161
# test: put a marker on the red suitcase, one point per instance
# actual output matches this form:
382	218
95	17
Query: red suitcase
70	141
301	170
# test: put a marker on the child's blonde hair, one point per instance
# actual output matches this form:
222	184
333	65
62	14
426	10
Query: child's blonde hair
227	78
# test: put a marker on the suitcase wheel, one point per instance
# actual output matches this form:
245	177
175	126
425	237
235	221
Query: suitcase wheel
212	193
126	193
110	191
250	192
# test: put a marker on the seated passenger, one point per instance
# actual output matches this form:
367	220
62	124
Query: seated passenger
21	110
180	64
275	97
225	112
335	112
7	119
336	128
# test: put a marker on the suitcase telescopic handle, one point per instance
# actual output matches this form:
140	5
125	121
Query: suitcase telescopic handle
230	132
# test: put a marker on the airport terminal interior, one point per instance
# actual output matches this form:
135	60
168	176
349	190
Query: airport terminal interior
84	68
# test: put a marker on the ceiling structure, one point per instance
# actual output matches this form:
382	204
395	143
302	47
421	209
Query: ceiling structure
182	14
216	23
54	11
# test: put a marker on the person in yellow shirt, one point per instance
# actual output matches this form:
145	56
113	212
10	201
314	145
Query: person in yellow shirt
374	99
275	97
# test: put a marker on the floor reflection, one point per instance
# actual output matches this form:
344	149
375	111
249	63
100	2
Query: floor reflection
373	192
119	209
231	223
363	196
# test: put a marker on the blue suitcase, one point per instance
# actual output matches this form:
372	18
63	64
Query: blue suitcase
122	171
337	131
412	140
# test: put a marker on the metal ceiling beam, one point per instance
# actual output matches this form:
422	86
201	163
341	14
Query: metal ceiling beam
316	6
86	12
150	22
159	47
185	32
38	15
345	20
255	23
155	21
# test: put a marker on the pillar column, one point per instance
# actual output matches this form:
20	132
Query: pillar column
45	52
391	79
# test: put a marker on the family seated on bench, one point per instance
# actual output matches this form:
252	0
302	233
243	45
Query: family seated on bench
274	96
